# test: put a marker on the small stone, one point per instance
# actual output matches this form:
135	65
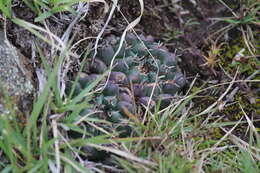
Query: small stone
14	77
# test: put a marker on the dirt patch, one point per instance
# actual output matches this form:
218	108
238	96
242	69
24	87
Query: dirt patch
190	22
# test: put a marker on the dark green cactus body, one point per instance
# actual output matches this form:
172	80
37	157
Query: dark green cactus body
164	99
145	101
86	111
138	90
125	97
123	104
122	52
115	116
123	65
85	79
130	85
69	87
111	89
110	102
135	67
124	130
95	155
148	89
134	75
119	78
106	54
97	66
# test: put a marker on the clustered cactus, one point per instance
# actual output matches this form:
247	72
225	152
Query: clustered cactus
131	82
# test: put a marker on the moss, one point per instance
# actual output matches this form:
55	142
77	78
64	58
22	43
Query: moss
235	113
247	65
248	107
218	133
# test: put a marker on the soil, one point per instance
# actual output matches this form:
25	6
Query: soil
157	20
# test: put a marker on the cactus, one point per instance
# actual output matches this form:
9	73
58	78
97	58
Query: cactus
132	79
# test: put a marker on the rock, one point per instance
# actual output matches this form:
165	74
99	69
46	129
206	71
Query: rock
14	77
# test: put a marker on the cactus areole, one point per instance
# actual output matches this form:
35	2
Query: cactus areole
144	74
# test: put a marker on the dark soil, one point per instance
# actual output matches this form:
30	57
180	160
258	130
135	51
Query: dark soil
159	17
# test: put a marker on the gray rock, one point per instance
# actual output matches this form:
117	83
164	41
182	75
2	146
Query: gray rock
14	77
